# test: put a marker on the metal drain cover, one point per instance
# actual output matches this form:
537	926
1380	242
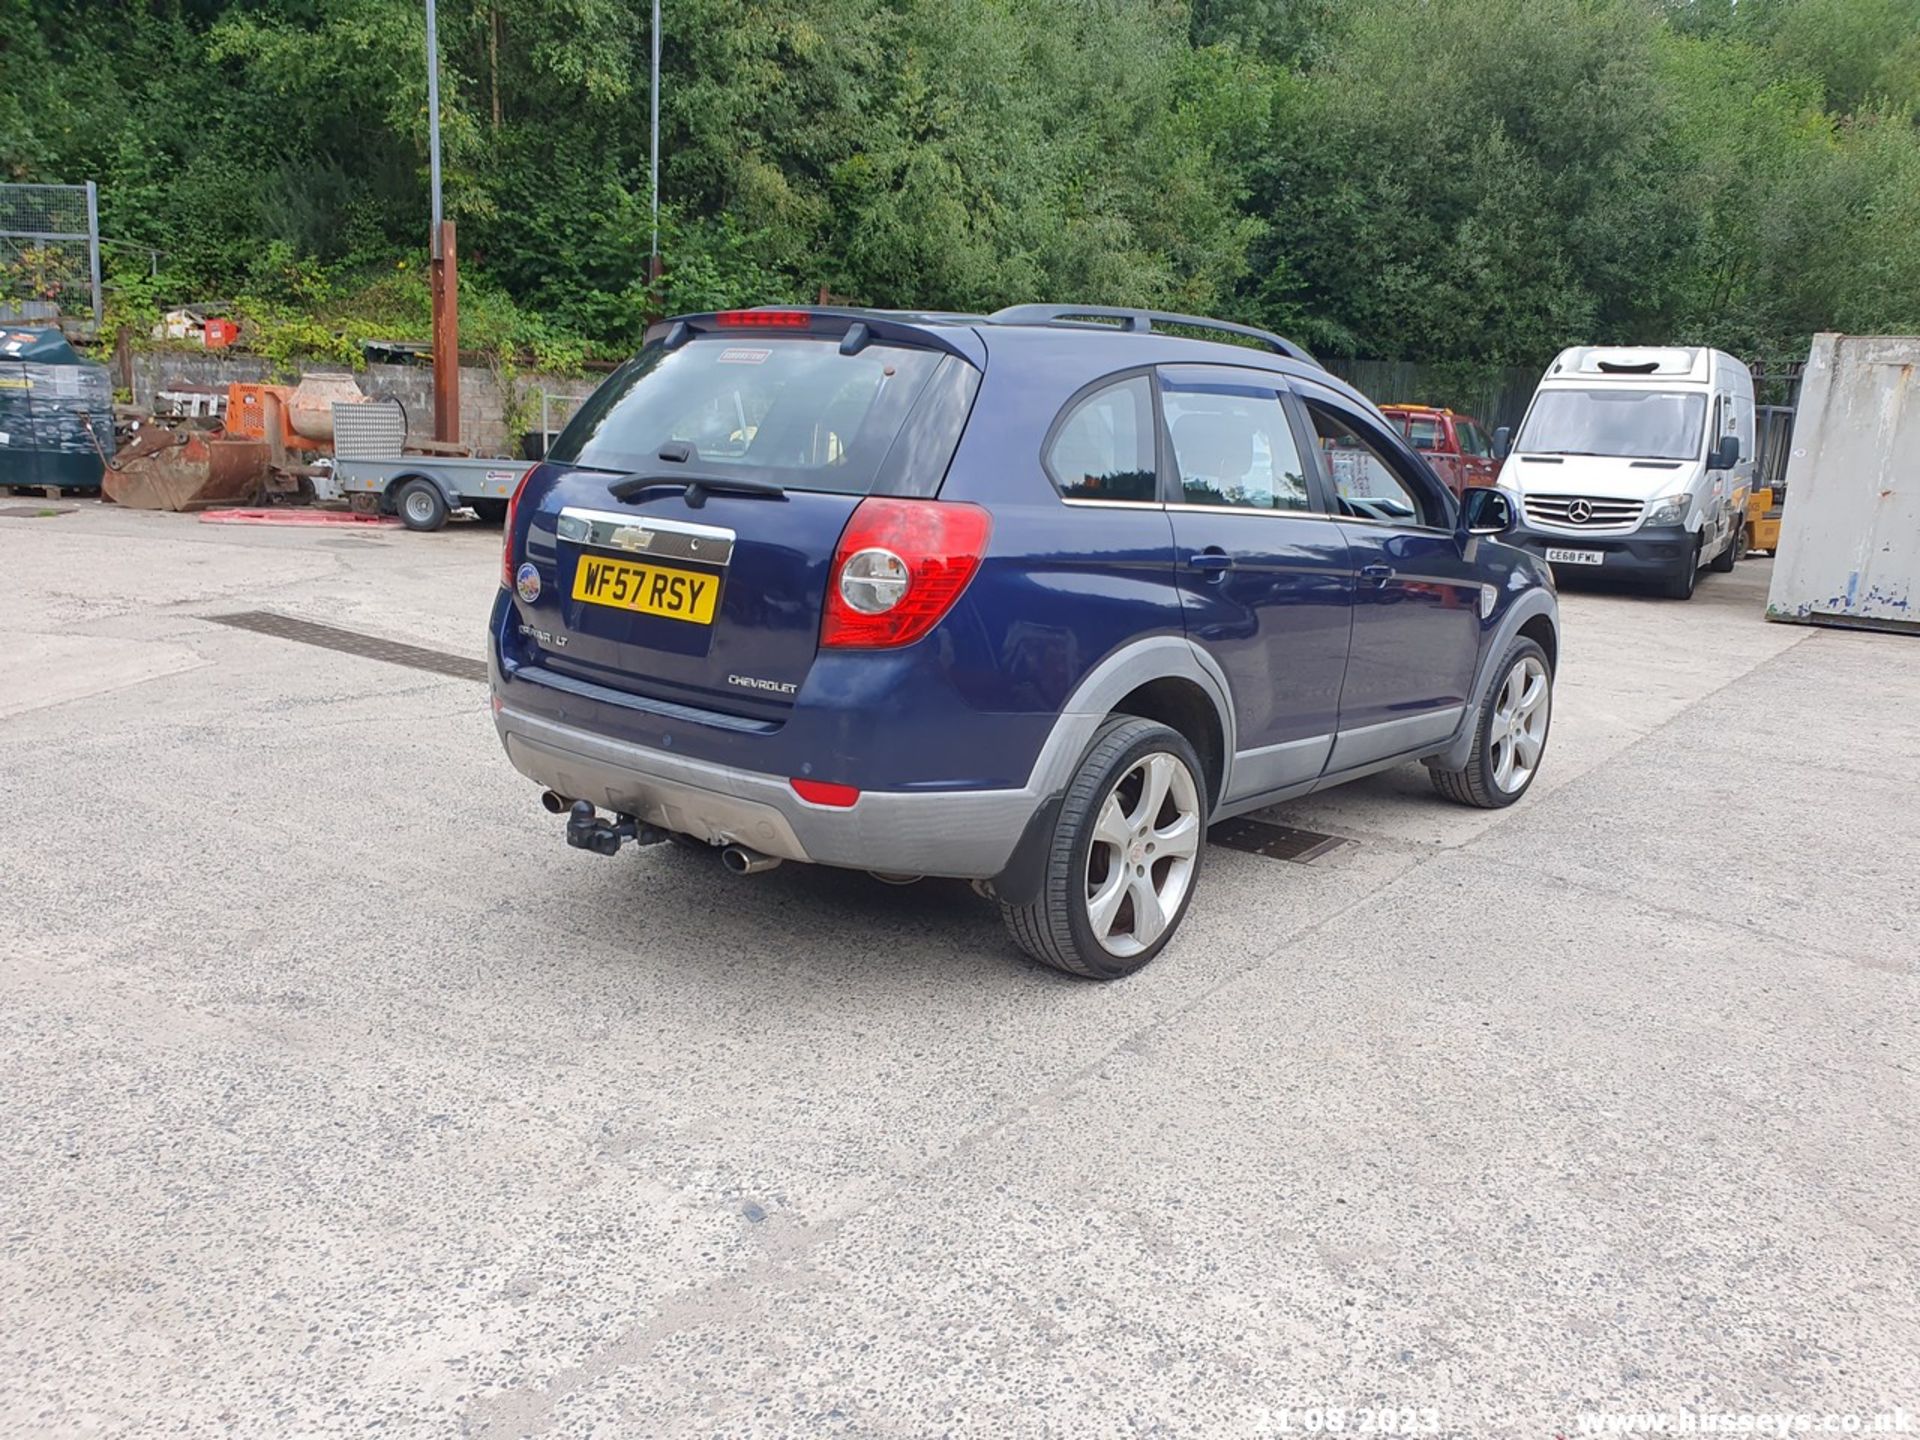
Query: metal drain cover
1276	842
352	642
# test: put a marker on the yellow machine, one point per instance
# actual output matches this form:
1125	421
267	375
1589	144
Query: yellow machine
1763	521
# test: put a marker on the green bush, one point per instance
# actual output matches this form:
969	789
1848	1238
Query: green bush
1479	181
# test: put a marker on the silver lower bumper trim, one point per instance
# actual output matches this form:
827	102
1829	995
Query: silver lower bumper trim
966	834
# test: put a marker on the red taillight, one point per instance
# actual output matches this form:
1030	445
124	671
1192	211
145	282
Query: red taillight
825	792
506	534
899	567
763	320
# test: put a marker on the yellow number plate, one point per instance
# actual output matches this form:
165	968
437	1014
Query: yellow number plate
649	589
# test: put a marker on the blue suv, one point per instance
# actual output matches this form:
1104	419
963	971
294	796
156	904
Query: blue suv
1028	599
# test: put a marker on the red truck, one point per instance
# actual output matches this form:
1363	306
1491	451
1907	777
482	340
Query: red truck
1455	445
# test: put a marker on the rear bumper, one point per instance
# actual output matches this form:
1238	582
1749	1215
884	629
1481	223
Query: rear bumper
967	834
1643	553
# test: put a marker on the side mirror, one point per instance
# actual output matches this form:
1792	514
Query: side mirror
1502	442
1726	454
1485	510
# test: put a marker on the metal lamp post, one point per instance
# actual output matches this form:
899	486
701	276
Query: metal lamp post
653	168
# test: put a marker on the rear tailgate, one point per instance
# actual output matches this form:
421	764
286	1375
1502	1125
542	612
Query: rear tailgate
711	596
716	607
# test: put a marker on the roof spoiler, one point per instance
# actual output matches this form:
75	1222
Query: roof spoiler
856	328
1095	317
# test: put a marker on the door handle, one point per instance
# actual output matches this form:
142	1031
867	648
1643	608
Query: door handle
1213	560
1379	573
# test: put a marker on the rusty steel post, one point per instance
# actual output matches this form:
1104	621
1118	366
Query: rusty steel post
446	336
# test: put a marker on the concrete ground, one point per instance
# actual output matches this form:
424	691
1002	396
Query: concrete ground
340	1095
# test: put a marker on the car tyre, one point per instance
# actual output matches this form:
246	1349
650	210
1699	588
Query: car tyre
1679	585
1125	855
1723	562
420	505
1510	735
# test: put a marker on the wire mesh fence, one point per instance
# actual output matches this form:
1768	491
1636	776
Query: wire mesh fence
50	254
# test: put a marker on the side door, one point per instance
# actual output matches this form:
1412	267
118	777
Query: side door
1722	485
1429	435
1736	419
1477	465
1416	611
1264	571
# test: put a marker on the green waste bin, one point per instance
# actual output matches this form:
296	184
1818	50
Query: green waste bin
56	412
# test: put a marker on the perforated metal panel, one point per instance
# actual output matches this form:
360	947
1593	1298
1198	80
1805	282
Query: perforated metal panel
369	430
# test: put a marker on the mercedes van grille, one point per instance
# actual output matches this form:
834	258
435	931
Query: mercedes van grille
1583	512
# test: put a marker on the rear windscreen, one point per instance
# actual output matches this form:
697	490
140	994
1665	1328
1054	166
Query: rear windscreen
792	411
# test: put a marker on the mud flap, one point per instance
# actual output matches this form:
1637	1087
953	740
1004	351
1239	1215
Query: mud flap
1020	881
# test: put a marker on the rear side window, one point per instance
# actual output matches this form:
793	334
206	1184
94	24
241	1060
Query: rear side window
1234	446
792	411
1102	448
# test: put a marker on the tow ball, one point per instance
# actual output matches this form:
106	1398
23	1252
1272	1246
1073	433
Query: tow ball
587	831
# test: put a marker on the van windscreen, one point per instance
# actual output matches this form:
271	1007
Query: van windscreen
1640	424
794	412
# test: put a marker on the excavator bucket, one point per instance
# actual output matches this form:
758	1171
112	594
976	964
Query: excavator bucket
186	469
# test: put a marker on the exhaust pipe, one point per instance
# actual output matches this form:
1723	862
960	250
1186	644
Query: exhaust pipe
743	861
555	804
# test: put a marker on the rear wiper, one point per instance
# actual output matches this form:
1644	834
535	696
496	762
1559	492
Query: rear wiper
698	487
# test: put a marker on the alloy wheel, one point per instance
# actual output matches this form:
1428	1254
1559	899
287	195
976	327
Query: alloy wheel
1520	716
1141	861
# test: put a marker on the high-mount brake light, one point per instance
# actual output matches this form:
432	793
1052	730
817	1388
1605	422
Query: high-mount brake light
899	568
506	532
763	320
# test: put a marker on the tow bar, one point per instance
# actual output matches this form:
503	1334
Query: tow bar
587	831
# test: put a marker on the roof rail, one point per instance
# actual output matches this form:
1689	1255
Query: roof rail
1088	317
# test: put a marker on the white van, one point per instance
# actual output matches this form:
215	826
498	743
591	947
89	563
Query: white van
1635	462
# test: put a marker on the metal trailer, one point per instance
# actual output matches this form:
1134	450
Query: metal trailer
372	471
1850	535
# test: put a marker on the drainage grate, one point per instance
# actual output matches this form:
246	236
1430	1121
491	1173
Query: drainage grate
1276	842
352	642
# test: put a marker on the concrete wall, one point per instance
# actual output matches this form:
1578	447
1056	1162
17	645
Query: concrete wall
1850	533
482	406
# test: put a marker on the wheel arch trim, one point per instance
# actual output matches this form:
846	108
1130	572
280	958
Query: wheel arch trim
447	492
1156	657
1536	602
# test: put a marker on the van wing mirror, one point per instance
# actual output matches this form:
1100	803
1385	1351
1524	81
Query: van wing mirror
1726	454
1487	510
1502	442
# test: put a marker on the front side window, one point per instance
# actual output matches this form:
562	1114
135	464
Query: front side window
1233	446
1103	448
1366	484
1472	440
1637	424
